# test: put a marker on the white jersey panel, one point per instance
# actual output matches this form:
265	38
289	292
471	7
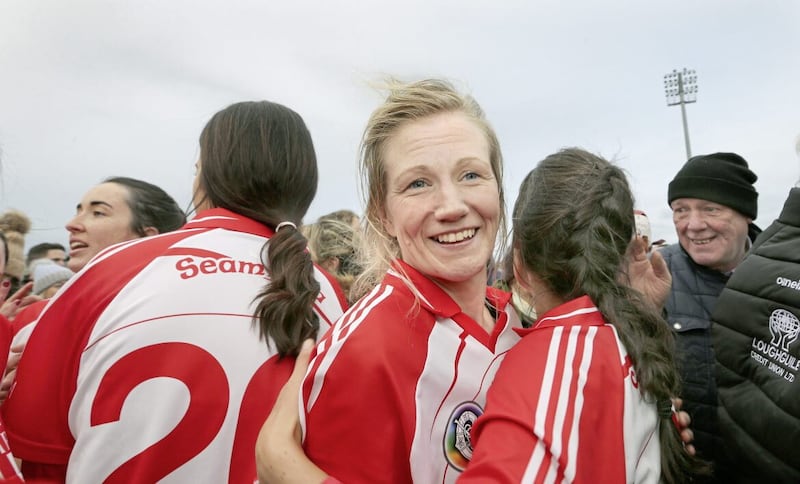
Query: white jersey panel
172	314
451	394
640	428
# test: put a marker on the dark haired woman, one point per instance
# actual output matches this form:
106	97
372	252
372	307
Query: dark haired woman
585	396
164	375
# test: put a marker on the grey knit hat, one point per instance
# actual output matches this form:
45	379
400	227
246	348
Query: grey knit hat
722	178
46	273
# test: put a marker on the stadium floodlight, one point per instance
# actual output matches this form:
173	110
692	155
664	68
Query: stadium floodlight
681	89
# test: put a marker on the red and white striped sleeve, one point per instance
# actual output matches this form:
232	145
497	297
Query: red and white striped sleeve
554	411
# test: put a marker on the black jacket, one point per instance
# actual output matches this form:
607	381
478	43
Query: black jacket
695	290
756	333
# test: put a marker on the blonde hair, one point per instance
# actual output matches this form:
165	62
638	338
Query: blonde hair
405	103
330	238
344	215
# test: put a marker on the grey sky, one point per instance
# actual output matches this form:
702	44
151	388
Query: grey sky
92	88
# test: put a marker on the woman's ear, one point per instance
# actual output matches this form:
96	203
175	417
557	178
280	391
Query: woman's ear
150	231
528	280
520	274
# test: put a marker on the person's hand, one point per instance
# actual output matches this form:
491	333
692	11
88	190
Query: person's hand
11	371
279	453
648	275
18	300
682	420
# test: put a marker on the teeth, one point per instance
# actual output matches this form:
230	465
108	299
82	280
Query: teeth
701	241
456	236
76	245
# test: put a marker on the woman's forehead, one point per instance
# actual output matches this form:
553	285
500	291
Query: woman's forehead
108	193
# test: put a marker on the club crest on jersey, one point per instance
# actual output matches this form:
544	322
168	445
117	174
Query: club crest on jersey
457	439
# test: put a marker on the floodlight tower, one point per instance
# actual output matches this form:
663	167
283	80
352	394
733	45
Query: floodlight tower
681	88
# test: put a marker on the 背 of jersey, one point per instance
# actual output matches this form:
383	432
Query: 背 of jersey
565	406
149	367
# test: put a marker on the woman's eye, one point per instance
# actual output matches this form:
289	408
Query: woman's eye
97	213
417	184
471	176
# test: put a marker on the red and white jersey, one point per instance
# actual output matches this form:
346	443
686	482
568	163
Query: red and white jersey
9	472
397	382
565	407
148	366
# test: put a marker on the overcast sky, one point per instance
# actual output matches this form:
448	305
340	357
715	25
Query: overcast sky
90	88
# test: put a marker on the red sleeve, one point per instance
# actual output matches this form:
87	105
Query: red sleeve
36	413
28	315
359	401
36	410
553	412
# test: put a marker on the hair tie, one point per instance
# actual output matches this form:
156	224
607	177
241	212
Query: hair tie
665	408
285	224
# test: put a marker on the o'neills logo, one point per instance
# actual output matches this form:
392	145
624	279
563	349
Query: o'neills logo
190	267
786	282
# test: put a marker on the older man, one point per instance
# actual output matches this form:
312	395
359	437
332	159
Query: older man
713	204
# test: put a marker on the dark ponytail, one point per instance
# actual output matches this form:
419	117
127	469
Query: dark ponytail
573	222
285	306
257	159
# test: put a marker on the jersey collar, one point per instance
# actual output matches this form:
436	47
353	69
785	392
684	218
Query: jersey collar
580	310
225	219
435	299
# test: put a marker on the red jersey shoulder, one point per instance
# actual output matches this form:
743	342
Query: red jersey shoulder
385	318
391	309
28	315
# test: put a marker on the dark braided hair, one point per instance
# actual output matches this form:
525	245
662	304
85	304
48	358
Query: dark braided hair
257	159
573	222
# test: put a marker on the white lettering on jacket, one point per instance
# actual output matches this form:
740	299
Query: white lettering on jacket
786	282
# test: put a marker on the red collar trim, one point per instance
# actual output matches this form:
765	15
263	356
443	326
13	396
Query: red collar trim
223	218
580	310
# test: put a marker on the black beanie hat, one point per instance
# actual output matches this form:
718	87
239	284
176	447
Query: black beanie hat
722	178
